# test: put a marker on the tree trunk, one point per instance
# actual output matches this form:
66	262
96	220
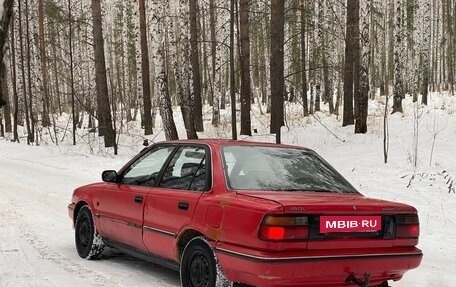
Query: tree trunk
363	94
44	71
5	20
398	89
103	106
161	76
232	74
194	58
277	66
245	67
31	135
215	91
24	86
145	69
426	41
7	107
70	53
183	59
350	56
303	59
13	77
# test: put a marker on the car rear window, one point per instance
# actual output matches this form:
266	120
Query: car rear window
267	168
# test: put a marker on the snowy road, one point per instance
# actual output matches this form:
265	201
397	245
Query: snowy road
36	237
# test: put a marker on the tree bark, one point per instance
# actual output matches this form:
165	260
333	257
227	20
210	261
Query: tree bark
31	135
103	107
215	91
145	69
70	52
398	89
363	94
277	66
194	58
183	60
4	24
44	71
13	76
245	68
7	106
232	74
161	76
350	50
24	86
425	50
303	59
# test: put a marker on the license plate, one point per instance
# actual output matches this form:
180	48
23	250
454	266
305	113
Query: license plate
350	224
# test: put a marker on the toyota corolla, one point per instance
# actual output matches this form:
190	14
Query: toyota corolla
228	212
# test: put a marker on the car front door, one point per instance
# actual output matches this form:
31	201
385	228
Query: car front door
171	205
122	204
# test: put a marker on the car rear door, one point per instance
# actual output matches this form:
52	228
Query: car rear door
171	205
122	204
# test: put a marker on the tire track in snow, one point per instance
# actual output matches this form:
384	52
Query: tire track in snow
13	215
33	204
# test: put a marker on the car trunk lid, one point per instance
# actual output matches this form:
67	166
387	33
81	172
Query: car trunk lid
339	221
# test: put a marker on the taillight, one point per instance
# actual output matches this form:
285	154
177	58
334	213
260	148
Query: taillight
283	228
408	226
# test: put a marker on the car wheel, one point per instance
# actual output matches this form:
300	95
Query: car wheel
199	267
88	242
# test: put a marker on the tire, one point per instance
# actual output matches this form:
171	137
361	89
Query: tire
198	265
88	242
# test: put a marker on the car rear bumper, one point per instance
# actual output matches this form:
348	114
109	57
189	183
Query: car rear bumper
268	270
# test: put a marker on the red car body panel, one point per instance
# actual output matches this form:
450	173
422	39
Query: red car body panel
230	220
159	235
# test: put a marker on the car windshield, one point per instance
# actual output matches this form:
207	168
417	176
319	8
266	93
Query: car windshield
280	169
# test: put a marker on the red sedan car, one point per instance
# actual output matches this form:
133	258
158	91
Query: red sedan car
255	214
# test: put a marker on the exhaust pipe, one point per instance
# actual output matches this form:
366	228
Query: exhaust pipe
352	279
359	282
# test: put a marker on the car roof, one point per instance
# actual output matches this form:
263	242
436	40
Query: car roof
222	142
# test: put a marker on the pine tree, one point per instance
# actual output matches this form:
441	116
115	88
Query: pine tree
363	94
277	66
245	67
103	107
303	58
145	69
350	55
5	19
196	100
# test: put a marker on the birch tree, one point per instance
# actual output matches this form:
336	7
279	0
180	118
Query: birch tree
161	76
425	49
398	88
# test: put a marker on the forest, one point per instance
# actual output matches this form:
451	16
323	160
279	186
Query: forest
108	63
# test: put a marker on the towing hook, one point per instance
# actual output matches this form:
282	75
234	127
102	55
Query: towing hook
352	279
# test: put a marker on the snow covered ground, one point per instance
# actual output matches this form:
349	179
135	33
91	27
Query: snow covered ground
36	182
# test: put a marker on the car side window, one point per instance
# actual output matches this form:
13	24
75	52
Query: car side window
186	170
144	171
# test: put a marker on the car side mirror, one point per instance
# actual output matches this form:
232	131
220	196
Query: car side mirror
109	176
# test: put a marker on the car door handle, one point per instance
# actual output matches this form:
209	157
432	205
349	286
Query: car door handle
182	205
138	199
